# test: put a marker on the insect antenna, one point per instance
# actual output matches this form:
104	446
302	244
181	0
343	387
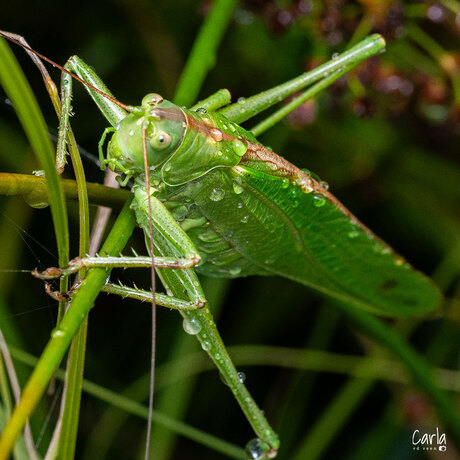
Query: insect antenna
18	40
152	273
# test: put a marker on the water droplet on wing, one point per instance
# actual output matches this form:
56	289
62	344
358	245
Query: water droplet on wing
217	134
239	147
319	200
270	260
216	194
237	188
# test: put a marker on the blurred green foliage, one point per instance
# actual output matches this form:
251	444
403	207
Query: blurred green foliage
386	140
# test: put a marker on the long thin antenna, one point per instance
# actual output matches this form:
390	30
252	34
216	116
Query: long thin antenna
14	38
154	310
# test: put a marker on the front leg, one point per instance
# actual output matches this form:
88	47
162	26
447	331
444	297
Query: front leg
170	240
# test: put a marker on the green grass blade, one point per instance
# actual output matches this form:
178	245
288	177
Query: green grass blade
18	90
76	359
72	396
204	52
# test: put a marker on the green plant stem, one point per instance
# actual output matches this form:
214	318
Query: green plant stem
62	335
204	52
34	191
72	393
75	362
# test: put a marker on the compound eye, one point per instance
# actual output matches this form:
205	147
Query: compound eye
161	140
152	99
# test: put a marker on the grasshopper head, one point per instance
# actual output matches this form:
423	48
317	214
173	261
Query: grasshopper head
165	125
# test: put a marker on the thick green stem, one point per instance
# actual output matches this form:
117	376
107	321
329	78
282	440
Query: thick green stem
34	191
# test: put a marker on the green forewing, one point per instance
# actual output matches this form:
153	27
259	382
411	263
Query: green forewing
259	223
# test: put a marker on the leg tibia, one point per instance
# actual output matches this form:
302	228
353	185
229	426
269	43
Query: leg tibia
247	108
112	111
114	262
160	299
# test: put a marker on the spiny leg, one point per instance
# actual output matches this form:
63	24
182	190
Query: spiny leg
132	293
184	284
298	101
109	107
62	108
61	104
114	262
146	296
